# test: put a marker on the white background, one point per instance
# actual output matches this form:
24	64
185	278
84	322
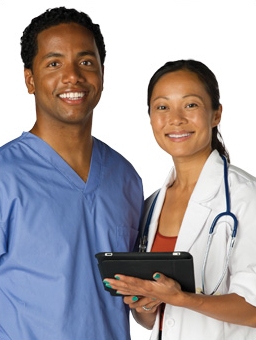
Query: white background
140	36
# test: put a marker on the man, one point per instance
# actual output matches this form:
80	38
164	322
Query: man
64	195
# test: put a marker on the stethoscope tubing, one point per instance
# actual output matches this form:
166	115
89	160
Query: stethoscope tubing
233	235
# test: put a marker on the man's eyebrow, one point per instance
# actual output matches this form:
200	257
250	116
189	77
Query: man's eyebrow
85	53
52	55
58	55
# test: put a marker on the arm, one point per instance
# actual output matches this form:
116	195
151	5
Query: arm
230	308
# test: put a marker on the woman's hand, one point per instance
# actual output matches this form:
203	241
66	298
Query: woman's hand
230	308
160	289
144	296
142	304
144	310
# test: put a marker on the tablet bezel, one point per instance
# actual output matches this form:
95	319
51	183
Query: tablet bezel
177	265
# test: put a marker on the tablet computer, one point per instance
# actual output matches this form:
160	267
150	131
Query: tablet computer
177	265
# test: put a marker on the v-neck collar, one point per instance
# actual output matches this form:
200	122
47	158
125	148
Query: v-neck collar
51	156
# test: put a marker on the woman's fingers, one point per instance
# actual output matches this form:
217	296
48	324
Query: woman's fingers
160	287
142	304
126	285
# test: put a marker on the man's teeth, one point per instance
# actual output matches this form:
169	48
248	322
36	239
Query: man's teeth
72	95
179	136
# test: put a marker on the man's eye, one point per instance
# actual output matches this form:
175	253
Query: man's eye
53	64
86	63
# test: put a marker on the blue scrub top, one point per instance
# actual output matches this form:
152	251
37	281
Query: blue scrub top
51	225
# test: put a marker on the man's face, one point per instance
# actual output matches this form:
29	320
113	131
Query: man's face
67	76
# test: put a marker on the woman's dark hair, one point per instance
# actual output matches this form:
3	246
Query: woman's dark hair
54	17
210	83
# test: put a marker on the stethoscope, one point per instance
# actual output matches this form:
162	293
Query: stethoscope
144	237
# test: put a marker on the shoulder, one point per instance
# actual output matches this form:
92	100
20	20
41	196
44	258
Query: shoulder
240	175
213	177
10	144
10	151
242	184
236	174
109	150
113	158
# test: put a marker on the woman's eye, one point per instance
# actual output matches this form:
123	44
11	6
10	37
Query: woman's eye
161	107
191	105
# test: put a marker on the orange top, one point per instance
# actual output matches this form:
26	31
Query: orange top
163	243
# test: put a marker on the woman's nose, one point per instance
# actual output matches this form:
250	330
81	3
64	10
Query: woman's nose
176	117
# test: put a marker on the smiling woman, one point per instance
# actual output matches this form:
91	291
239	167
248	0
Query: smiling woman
184	109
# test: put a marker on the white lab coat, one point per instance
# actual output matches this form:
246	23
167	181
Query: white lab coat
208	200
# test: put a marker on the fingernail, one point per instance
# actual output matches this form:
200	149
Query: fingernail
156	276
117	277
107	284
135	298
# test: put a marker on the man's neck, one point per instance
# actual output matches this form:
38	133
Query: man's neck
72	144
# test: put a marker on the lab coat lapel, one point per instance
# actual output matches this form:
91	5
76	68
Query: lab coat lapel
194	220
198	208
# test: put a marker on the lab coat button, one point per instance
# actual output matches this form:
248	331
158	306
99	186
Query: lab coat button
170	322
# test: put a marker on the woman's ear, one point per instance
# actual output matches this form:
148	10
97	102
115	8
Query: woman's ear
217	116
29	80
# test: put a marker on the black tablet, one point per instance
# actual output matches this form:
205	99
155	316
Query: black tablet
176	265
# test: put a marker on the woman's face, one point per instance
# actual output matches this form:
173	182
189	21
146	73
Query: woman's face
181	115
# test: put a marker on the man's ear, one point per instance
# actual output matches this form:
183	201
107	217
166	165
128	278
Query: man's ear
217	116
102	77
29	80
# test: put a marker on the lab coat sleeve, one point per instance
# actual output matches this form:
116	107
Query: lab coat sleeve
243	260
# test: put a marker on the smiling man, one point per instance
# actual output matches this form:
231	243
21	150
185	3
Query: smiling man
64	195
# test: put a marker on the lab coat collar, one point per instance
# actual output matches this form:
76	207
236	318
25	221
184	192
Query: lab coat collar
197	211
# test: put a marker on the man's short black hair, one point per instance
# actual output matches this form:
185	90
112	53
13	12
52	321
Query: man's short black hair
54	17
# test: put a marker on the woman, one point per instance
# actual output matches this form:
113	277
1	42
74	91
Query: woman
184	109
